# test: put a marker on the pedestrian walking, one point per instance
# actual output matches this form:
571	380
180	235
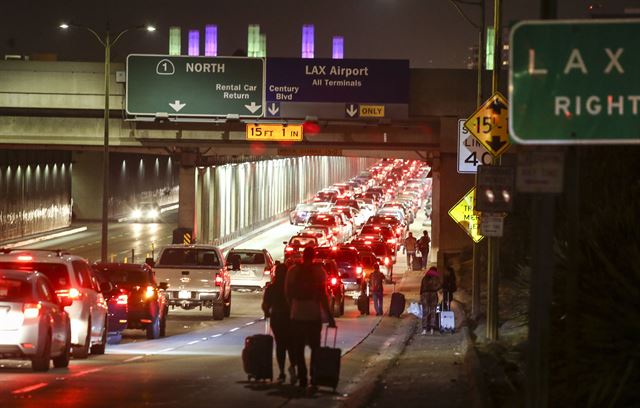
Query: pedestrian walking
429	288
306	292
376	280
410	246
276	308
423	247
448	287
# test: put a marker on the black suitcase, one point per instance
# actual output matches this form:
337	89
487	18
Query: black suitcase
417	263
363	304
327	363
398	303
257	356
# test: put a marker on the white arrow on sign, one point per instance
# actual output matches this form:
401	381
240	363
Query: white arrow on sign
274	109
177	105
352	110
253	108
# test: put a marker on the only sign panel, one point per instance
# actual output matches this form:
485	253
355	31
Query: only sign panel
463	214
490	124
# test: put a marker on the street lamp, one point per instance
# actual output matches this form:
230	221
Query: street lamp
107	43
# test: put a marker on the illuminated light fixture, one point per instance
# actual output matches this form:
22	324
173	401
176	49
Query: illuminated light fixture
211	40
194	43
488	62
253	40
338	47
307	41
175	41
150	28
64	26
262	46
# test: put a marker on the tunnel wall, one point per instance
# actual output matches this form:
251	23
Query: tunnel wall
35	192
234	199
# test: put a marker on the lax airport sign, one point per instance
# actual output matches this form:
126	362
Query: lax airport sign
575	82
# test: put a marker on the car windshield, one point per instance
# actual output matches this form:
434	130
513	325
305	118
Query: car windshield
247	258
57	273
322	220
302	241
125	277
376	230
13	290
305	207
189	257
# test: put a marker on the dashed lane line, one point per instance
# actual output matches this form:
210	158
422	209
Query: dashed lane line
30	388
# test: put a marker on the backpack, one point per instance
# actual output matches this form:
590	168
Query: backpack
376	282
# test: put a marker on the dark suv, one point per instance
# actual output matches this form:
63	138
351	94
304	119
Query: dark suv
335	286
349	265
147	307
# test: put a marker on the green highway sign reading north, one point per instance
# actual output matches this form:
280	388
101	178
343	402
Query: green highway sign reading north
195	86
575	82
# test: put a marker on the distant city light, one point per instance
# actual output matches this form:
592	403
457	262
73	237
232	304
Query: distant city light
488	63
307	41
194	43
253	40
211	40
338	47
175	41
262	51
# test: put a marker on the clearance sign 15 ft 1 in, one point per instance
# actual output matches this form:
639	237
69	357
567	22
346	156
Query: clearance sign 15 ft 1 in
575	82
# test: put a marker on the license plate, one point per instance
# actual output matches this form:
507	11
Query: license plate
245	272
184	294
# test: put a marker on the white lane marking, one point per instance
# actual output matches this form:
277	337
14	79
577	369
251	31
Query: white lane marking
85	372
30	388
216	335
249	324
133	359
193	342
204	338
234	329
167	350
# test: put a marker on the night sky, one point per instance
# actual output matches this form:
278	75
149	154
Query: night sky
430	33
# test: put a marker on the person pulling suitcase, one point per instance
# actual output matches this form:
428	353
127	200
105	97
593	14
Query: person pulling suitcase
429	288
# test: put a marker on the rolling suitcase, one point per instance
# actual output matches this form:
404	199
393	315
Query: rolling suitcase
416	264
363	304
446	319
398	303
257	355
327	363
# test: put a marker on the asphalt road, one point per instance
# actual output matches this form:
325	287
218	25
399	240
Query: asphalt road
197	363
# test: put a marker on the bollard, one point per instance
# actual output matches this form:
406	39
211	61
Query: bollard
133	255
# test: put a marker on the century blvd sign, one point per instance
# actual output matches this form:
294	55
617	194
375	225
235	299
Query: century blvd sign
575	82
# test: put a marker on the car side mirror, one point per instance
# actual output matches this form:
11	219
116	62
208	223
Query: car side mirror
285	242
163	285
106	287
65	301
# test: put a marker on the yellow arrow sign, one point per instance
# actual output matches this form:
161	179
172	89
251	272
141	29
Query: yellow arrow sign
462	213
490	124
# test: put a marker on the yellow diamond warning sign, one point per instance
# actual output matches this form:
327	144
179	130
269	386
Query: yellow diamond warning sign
490	124
462	213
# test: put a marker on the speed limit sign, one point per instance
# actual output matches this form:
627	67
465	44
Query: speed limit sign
471	153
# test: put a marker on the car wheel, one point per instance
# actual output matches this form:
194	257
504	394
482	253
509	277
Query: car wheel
41	362
99	348
62	360
153	329
227	307
218	311
83	351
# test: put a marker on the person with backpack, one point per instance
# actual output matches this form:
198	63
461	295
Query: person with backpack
376	280
429	288
275	307
448	287
306	293
410	245
423	247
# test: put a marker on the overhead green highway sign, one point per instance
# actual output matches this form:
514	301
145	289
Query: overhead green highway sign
575	82
160	85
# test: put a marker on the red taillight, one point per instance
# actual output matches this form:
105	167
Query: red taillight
386	260
359	270
218	280
334	281
267	271
391	241
335	248
25	258
31	310
367	242
149	292
122	299
289	249
72	293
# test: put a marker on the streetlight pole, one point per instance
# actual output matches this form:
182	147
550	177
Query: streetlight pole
107	43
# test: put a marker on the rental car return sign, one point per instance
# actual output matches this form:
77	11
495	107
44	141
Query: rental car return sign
575	82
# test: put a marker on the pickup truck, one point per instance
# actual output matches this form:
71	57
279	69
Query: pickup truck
195	276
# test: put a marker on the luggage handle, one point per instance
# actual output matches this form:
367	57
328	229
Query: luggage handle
266	325
335	336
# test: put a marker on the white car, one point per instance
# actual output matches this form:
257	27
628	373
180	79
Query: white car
250	268
146	212
71	278
33	323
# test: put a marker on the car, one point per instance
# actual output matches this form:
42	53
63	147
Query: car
147	306
325	230
118	308
71	278
33	322
381	251
335	286
296	246
371	231
250	268
146	212
388	219
196	276
349	266
318	234
301	214
333	221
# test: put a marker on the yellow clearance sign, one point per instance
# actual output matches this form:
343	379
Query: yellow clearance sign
274	132
490	124
372	111
463	214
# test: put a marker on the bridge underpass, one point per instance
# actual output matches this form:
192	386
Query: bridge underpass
58	105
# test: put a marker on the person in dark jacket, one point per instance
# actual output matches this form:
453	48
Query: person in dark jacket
376	280
429	288
448	287
275	307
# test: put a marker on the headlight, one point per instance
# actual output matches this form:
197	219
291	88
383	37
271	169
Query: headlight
153	214
136	213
